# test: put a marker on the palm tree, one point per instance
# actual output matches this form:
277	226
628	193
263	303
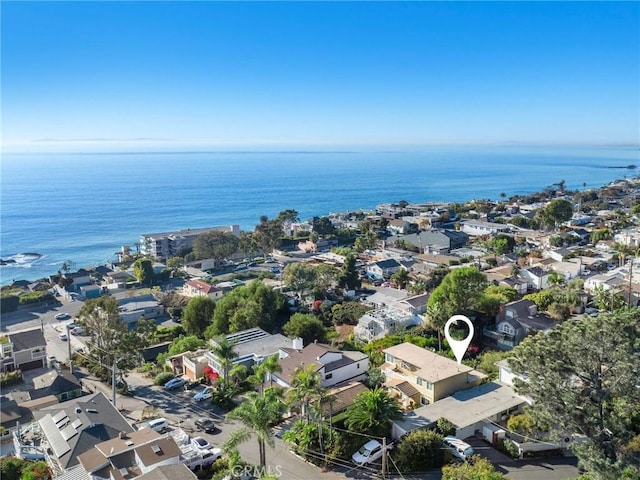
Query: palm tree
269	366
372	412
225	353
305	386
437	318
556	278
258	415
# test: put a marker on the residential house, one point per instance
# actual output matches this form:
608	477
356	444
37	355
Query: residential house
417	376
189	364
514	322
342	397
74	427
178	471
61	384
252	346
383	268
436	241
568	270
394	310
166	244
469	410
537	277
334	366
90	291
23	350
606	281
200	288
507	280
130	455
477	228
80	278
401	226
12	414
628	237
133	308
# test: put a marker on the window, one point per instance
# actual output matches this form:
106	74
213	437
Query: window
428	385
328	376
418	380
357	365
389	358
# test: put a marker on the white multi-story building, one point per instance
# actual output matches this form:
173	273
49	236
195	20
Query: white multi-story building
166	244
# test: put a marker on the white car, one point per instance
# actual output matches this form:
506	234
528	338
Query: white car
200	443
459	449
63	336
369	452
203	394
62	316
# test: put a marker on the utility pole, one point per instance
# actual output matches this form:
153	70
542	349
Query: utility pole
69	348
630	278
384	457
113	380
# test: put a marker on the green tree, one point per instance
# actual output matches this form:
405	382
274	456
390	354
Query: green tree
556	212
459	291
323	226
348	312
372	413
143	270
289	215
268	233
109	336
307	327
258	415
248	306
189	343
420	450
326	275
215	244
349	277
306	386
175	264
582	378
266	369
224	350
476	468
400	278
247	243
299	277
198	315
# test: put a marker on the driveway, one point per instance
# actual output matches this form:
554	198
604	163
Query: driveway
557	468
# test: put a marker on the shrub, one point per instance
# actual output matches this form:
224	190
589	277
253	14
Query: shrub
162	378
420	450
11	378
509	447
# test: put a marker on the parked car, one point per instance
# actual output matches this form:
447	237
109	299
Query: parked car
62	316
77	331
274	270
63	336
458	448
206	425
204	394
174	383
200	443
158	424
369	452
240	267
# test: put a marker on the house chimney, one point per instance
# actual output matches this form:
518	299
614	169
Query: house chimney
297	343
122	435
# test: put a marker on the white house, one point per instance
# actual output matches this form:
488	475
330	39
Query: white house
395	310
133	308
537	277
383	268
334	366
476	228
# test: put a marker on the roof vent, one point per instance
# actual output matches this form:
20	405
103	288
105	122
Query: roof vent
156	449
78	410
92	410
122	435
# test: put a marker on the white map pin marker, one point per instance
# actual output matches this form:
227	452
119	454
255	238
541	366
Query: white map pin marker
459	347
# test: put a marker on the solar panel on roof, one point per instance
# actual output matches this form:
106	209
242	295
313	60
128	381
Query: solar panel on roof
57	418
68	432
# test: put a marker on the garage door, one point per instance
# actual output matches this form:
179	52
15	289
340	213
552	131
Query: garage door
31	365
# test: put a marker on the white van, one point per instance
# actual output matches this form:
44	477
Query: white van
158	424
458	448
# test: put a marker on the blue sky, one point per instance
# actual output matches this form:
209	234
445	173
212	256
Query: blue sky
95	75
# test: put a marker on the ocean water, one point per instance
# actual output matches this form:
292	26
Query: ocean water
84	207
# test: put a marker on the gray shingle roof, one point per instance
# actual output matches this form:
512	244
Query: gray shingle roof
27	339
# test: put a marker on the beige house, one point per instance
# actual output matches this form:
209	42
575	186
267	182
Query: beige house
417	376
23	350
199	288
